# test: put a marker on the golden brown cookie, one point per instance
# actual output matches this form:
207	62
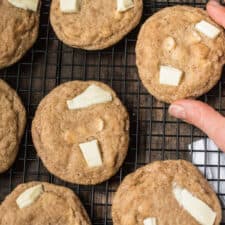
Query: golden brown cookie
97	25
18	32
58	131
148	193
55	205
12	124
170	38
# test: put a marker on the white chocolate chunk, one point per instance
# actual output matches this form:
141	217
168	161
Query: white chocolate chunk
194	206
124	5
29	196
91	153
169	75
91	96
207	29
25	4
150	221
69	6
169	44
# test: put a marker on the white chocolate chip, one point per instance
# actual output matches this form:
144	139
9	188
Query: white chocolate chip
169	44
25	4
207	29
100	124
194	206
124	5
91	153
29	196
91	96
170	76
150	221
70	6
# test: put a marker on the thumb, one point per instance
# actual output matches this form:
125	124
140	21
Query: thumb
216	11
202	116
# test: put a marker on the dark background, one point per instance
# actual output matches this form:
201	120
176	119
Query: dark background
154	134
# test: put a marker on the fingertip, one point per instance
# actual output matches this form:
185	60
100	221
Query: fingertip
194	108
213	3
211	6
182	109
194	112
216	12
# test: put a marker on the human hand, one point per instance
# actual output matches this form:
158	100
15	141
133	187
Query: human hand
200	114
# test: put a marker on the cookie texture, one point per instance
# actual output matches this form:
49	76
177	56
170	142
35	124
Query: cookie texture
56	205
18	32
97	25
200	58
57	132
148	193
12	124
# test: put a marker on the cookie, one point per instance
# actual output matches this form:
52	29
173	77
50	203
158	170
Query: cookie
52	205
12	124
148	194
97	24
170	38
63	137
18	32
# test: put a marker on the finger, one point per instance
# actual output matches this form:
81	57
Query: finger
216	11
202	116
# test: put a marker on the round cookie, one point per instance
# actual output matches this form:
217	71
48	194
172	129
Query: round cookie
170	38
97	25
148	192
12	124
57	132
18	32
56	205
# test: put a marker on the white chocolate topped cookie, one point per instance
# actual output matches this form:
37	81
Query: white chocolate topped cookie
19	26
171	192
180	53
81	132
41	203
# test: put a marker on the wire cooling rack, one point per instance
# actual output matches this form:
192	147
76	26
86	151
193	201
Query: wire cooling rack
154	134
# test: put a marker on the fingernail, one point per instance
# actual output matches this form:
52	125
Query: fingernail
177	111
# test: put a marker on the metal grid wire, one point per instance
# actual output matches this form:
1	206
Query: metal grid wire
154	134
